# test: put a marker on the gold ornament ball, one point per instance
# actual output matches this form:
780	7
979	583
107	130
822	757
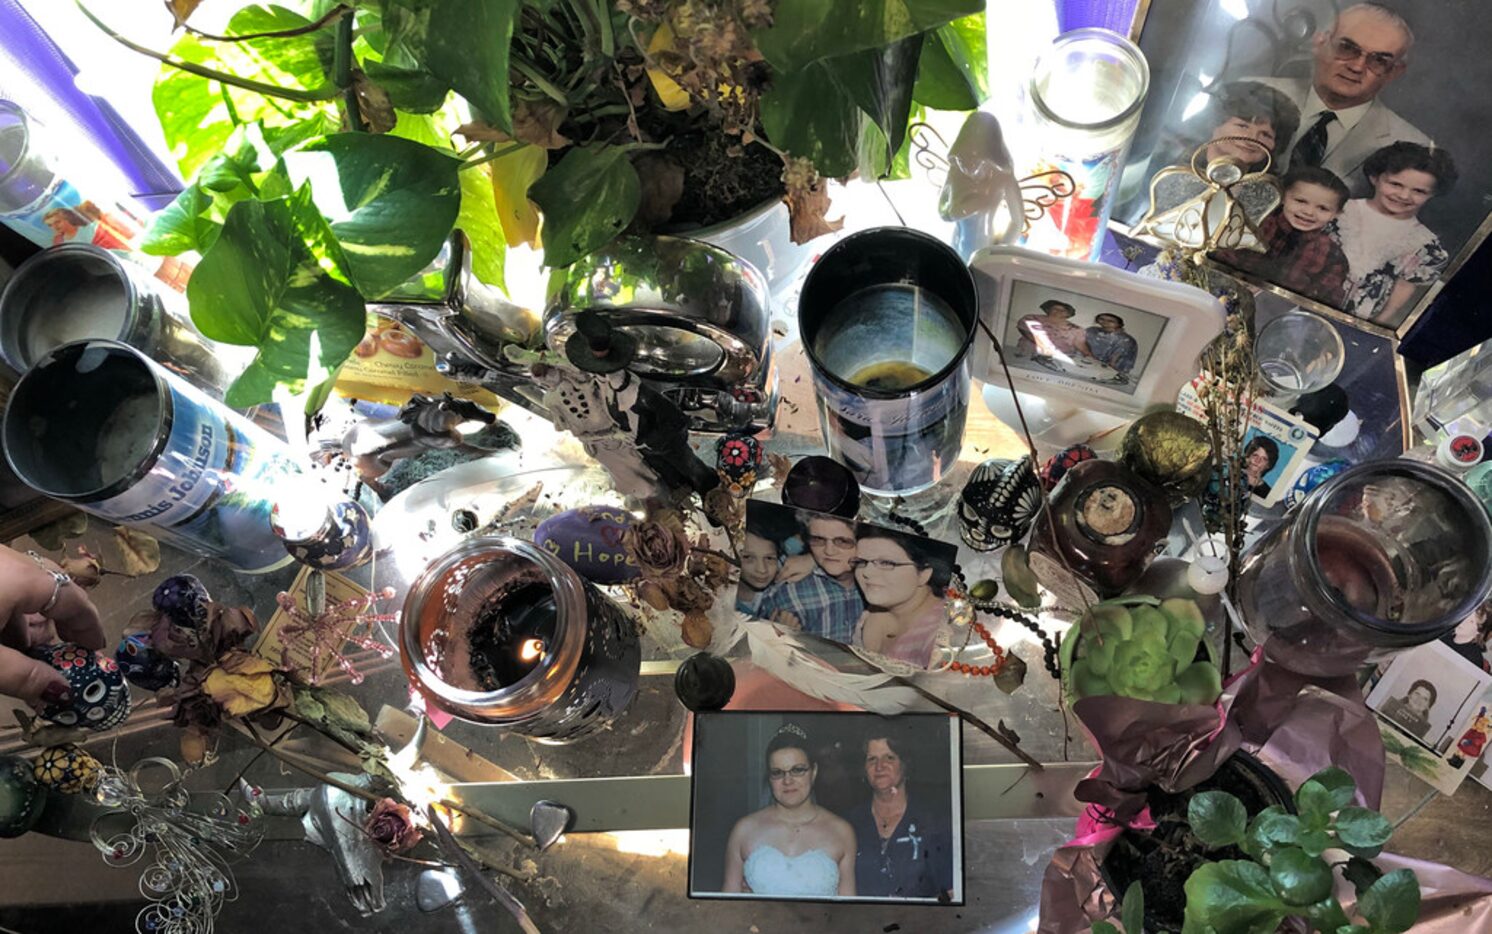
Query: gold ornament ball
1170	450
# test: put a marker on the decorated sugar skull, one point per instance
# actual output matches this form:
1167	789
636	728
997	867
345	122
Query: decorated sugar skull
142	665
100	698
1063	461
67	768
738	457
999	503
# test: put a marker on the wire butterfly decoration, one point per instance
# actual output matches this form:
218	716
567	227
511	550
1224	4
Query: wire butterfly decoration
188	879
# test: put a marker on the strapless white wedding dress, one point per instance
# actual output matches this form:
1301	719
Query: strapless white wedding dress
812	874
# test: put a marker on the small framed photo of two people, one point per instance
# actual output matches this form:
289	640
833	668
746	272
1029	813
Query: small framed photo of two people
1366	113
827	807
881	591
1090	335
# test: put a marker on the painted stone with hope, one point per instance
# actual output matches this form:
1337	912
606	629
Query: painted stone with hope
589	539
100	698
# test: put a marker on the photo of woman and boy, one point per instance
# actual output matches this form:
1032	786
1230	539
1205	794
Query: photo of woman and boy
1355	175
827	806
874	588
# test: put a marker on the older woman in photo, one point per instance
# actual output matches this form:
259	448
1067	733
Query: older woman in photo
1389	252
1051	335
1259	457
905	847
792	847
1412	711
903	584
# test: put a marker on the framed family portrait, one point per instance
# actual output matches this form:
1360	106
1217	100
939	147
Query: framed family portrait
1091	335
878	590
841	807
1385	170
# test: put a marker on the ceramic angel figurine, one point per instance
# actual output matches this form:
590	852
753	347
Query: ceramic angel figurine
981	195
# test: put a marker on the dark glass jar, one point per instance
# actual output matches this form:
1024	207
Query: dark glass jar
1381	557
1107	521
498	631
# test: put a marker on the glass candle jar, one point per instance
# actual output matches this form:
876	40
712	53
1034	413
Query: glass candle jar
1085	98
1298	353
1384	556
499	631
887	318
101	426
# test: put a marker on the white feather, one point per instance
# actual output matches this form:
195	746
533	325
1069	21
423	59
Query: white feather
785	658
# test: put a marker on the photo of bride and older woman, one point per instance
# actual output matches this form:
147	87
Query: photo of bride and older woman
1382	165
819	806
878	589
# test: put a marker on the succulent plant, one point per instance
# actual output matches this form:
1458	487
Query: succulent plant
1143	648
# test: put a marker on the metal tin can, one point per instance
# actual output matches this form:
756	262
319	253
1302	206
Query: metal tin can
99	425
887	318
75	292
470	614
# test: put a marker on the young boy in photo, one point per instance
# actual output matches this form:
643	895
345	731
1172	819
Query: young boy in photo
1302	252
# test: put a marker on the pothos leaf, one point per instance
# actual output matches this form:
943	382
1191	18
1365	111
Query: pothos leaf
467	48
390	202
587	199
805	31
952	72
512	176
806	114
139	553
276	280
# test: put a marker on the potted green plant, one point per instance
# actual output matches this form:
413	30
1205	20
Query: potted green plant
1254	858
333	146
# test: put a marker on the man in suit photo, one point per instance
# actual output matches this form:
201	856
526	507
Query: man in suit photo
1342	121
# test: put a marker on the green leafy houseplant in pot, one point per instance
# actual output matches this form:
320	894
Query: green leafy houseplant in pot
333	146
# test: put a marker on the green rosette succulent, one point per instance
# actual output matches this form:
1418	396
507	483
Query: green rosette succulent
1143	648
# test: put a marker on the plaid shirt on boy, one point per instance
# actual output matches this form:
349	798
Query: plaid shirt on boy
1308	262
824	606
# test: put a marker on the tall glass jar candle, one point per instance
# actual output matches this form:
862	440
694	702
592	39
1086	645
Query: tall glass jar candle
1084	103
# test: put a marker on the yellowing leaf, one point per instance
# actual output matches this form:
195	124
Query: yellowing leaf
670	93
181	9
511	176
139	553
241	684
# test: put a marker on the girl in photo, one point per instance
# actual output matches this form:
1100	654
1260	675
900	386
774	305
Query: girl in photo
792	847
903	585
1389	252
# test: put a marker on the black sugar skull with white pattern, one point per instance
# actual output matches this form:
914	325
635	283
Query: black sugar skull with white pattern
999	503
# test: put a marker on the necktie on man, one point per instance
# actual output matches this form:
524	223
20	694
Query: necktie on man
1312	146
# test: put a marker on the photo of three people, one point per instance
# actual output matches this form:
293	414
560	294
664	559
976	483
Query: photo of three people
875	588
827	806
1365	224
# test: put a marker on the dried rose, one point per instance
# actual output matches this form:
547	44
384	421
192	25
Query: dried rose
244	684
723	508
391	825
697	630
687	595
653	594
226	627
85	569
658	545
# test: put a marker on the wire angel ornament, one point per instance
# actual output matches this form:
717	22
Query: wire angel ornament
319	632
1217	206
188	879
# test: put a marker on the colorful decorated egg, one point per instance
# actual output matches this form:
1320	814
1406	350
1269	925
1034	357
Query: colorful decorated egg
1063	461
738	458
1313	478
67	768
142	665
21	796
100	698
589	539
999	503
343	540
183	598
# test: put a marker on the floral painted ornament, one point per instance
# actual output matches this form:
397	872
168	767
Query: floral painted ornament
1063	461
22	798
67	768
738	460
999	503
100	698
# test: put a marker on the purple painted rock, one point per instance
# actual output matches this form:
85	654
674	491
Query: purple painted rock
589	539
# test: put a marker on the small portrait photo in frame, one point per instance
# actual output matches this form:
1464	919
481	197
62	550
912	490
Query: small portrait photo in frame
1090	335
879	590
842	807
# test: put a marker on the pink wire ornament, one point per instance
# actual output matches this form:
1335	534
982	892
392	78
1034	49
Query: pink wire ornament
331	629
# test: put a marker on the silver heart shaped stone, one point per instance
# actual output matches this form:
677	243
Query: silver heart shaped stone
548	821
